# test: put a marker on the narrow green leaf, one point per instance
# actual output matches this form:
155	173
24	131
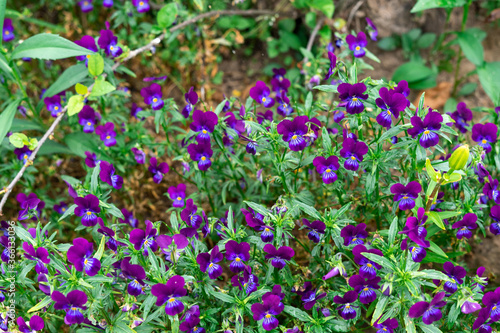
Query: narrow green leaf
48	46
70	77
488	74
40	305
471	47
434	217
297	313
7	117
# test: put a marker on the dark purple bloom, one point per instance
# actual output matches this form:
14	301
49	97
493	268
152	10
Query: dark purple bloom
61	207
294	132
338	115
135	110
36	324
40	256
31	206
388	326
326	167
481	323
88	118
201	152
365	287
129	218
428	128
429	311
191	98
107	3
158	170
406	195
139	155
347	310
465	226
391	103
177	194
373	32
204	124
260	93
317	228
88	208
268	115
456	274
368	268
153	96
495	215
168	293
278	256
112	243
251	147
238	253
352	94
284	107
491	301
490	190
23	154
53	105
310	298
461	116
191	325
72	304
189	215
415	231
90	159
87	42
208	262
354	234
108	42
141	5
8	30
144	239
86	5
333	64
80	255
135	273
249	282
403	89
107	175
484	135
279	82
357	44
107	133
353	151
256	221
268	311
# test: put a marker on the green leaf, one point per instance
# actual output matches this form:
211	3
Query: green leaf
412	72
75	104
7	117
327	141
426	40
166	16
437	250
258	208
433	174
471	47
40	305
379	309
101	87
393	229
48	46
297	313
68	212
5	67
428	4
78	143
96	64
388	43
326	6
309	210
18	140
223	297
81	89
71	76
429	328
94	180
113	210
3	4
434	217
467	89
488	74
390	133
326	88
384	262
432	274
447	215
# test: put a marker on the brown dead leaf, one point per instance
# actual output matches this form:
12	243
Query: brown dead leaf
436	97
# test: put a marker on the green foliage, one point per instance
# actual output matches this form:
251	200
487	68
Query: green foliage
48	46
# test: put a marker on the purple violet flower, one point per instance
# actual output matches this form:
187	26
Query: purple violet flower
372	32
490	190
53	105
201	152
135	110
90	159
465	226
429	311
80	255
326	167
139	155
278	256
268	115
238	253
256	221
267	311
461	116
333	64
107	133
406	195
40	256
294	132
428	128
168	293
317	228
249	282
191	98
388	326
456	274
191	326
392	103
368	268
88	208
86	5
8	30
260	93
36	324
357	44
352	94
158	170
365	287
403	89
177	194
491	301
108	42
129	218
61	207
31	206
484	135
347	310
495	215
107	3
353	151
88	118
189	215
481	324
107	175
73	303
354	234
208	262
284	108
145	240
153	96
279	82
204	124
23	154
141	5
87	42
135	273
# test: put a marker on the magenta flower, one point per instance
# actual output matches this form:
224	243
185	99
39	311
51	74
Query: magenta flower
388	326
309	295
129	218
8	30
352	94
145	240
403	89
347	310
40	256
392	103
284	108
326	167
31	206
465	226
279	82
191	325
135	273
368	268
270	308
91	159
189	215
260	93
153	96
461	116
204	124
406	195
261	116
36	324
109	43
429	311
415	231
191	98
373	32
86	5
353	151
139	155
333	64
112	243
294	132
365	287
61	207
73	303
484	135
428	128
495	215
357	44
278	256
158	170
107	133
134	110
490	190
141	5
80	255
107	175
87	42
177	194
201	152
88	208
168	293
238	253
88	118
53	105
317	228
208	262
354	234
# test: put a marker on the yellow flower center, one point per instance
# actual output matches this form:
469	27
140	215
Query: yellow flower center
267	229
179	198
365	289
56	108
353	158
89	213
389	113
405	197
385	329
63	209
354	239
111	48
7	32
427	132
347	306
294	137
245	285
355	99
211	265
484	141
89	123
369	265
268	316
238	259
358	48
494	308
86	261
25	157
171	300
141	3
74	308
414	249
85	3
88	56
108	137
155	100
328	170
196	328
263	99
204	131
203	158
281	78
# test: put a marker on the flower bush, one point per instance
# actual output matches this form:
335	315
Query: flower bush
307	207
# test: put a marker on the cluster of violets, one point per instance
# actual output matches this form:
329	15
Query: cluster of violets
87	6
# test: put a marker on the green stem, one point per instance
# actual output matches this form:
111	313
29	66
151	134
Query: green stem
204	175
233	174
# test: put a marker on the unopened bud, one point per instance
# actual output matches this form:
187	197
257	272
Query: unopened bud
459	158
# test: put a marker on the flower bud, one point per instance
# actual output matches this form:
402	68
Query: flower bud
459	158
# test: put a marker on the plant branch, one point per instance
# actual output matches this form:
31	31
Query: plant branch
310	42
